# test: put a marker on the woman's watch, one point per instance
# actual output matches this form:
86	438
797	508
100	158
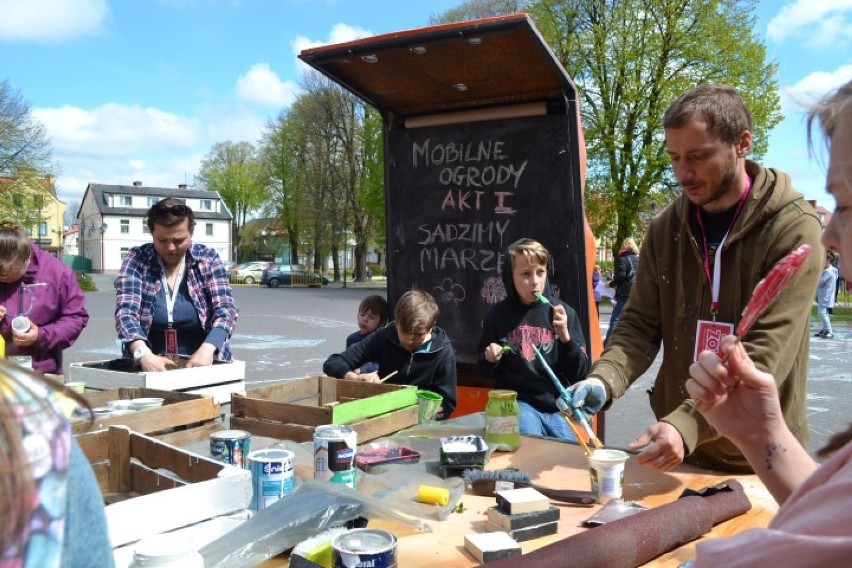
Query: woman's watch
140	352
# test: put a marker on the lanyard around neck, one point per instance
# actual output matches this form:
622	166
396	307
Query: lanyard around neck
171	296
716	278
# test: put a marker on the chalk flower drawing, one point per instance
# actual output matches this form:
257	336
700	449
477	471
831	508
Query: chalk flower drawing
493	290
448	291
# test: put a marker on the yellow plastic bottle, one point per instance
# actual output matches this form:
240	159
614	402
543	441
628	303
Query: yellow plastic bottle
2	347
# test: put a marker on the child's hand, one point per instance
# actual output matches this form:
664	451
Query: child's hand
369	377
560	323
493	352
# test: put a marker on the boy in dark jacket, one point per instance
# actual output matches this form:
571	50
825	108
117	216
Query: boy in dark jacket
413	345
521	321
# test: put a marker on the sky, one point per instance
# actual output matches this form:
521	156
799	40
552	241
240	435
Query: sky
141	90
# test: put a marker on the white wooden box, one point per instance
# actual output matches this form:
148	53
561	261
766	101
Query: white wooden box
219	380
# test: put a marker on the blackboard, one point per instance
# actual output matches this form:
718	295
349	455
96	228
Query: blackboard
458	195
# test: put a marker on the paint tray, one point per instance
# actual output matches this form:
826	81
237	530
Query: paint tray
459	451
381	456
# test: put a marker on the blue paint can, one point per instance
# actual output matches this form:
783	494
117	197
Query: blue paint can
231	446
271	476
364	548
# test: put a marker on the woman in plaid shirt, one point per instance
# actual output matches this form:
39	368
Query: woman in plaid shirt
172	296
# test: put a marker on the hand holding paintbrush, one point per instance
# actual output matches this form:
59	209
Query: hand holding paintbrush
766	292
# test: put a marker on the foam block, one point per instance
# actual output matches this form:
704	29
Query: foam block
523	500
522	520
487	547
526	533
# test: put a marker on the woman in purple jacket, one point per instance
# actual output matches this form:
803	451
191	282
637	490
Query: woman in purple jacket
42	308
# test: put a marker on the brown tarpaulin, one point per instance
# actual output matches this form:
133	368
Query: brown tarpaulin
635	540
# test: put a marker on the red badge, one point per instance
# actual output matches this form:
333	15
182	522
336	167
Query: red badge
171	342
708	336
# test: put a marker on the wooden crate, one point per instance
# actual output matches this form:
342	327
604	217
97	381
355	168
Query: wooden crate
219	380
292	410
180	411
151	487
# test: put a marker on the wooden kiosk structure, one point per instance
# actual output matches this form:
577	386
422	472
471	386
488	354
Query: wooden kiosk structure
483	146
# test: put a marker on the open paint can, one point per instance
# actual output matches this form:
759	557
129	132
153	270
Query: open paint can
231	446
606	468
271	476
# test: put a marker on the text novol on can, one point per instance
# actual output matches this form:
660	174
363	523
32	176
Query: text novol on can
334	454
231	446
364	548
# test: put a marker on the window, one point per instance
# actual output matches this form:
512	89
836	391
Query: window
145	228
208	228
125	200
42	229
124	252
125	226
152	201
206	205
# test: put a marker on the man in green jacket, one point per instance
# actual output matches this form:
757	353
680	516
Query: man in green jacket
756	218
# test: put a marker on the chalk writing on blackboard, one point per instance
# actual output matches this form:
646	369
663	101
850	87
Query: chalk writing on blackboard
450	291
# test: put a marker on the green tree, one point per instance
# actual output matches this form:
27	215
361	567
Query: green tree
630	59
234	170
24	200
473	9
24	143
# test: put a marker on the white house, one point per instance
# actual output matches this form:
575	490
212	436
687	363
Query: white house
71	241
112	220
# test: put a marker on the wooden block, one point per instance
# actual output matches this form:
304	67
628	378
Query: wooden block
487	547
522	520
523	500
526	533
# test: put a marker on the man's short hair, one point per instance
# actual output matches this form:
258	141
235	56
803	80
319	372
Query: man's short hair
720	106
531	249
414	308
169	212
377	305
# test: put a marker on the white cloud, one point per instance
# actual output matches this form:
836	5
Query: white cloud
340	33
51	21
116	130
815	85
260	85
819	23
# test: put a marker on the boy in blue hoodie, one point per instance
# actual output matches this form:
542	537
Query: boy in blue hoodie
519	322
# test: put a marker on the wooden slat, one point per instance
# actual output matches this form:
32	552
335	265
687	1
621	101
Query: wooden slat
156	454
179	409
95	445
119	459
378	426
294	432
144	481
189	436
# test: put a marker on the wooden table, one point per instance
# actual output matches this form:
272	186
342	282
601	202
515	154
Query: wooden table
563	465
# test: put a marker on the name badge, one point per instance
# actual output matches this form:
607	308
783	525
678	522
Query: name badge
708	336
171	342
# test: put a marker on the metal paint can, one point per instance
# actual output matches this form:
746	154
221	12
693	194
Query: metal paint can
271	476
334	454
231	446
25	361
364	548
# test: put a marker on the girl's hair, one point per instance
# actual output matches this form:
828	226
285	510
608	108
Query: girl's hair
827	112
169	212
835	443
630	244
25	397
15	247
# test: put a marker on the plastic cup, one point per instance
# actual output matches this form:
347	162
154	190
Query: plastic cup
428	403
606	468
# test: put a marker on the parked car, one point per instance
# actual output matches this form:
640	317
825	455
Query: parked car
248	272
291	275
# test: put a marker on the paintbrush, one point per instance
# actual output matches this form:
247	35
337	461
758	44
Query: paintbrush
389	375
766	292
566	398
